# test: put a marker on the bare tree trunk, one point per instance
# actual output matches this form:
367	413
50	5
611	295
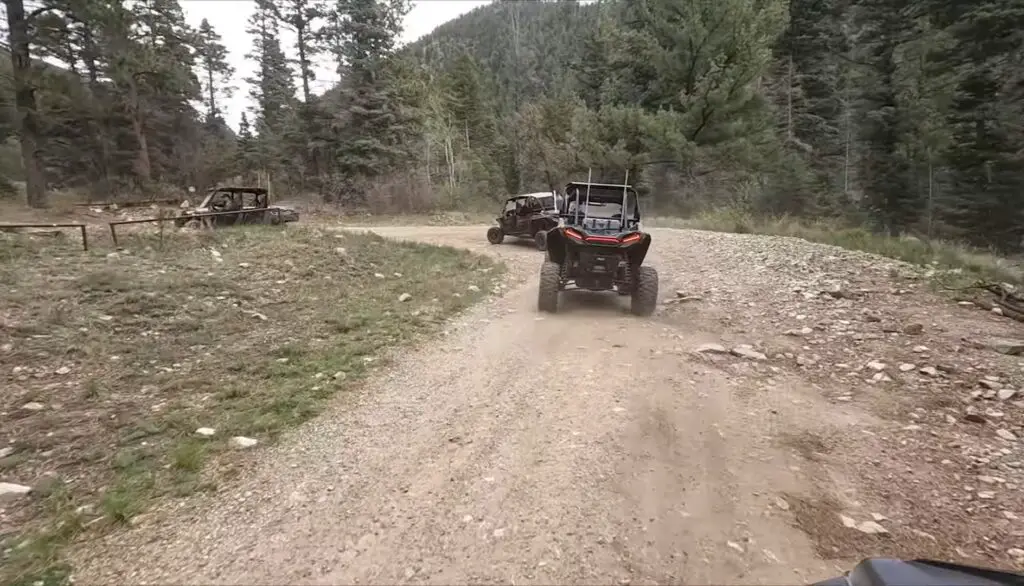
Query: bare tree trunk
846	157
143	167
25	103
213	96
426	142
789	101
931	194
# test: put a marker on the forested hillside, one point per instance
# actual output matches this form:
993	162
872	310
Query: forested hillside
904	115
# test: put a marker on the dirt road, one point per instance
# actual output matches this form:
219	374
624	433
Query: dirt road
589	446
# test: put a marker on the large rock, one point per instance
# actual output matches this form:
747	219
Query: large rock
10	491
1006	346
242	442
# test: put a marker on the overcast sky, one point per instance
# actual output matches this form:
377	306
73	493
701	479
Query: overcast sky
229	18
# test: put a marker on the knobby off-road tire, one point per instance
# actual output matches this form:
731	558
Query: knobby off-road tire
495	235
645	295
541	240
547	291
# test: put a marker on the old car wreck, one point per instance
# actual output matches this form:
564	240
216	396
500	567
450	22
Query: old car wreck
229	206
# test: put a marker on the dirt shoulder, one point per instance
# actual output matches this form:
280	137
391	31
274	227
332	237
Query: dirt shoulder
153	372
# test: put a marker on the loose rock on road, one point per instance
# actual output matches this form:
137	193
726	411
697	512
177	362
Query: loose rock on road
589	446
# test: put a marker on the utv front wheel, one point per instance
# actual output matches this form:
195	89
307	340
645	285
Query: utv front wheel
541	240
495	235
547	294
645	295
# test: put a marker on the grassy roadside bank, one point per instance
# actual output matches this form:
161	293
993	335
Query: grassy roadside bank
973	263
129	377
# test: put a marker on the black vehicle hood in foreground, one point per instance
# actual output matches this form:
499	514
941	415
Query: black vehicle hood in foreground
892	572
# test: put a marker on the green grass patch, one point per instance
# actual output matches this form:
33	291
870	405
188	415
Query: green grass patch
249	331
971	263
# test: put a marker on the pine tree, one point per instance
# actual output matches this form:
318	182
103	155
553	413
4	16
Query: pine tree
373	134
215	71
272	89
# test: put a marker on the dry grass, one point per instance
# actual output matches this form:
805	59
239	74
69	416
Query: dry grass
435	219
971	263
248	331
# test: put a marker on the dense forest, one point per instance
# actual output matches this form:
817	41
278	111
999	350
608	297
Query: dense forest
905	115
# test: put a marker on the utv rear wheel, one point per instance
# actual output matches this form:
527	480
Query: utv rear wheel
541	240
547	294
645	295
495	235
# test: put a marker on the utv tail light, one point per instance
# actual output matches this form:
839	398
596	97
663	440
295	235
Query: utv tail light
631	238
573	234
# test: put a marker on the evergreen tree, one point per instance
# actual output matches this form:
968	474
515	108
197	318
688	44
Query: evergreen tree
216	73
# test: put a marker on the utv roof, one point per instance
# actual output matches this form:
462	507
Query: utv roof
601	185
527	195
600	192
232	189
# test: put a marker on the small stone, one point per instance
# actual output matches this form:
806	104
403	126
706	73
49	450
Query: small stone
929	370
747	351
913	329
404	297
781	503
711	349
243	442
1006	434
965	304
997	310
46	485
4	452
847	521
33	406
1015	553
244	265
10	491
801	332
735	546
907	367
63	370
879	517
881	377
1005	394
986	495
871	528
206	431
972	415
473	288
340	375
379	275
1010	515
920	349
340	250
876	365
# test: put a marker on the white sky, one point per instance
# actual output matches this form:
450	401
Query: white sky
229	18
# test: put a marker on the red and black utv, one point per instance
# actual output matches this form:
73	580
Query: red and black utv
599	246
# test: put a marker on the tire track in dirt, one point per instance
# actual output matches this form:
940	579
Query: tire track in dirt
589	446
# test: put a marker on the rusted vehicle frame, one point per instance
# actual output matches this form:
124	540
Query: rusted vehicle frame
113	225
